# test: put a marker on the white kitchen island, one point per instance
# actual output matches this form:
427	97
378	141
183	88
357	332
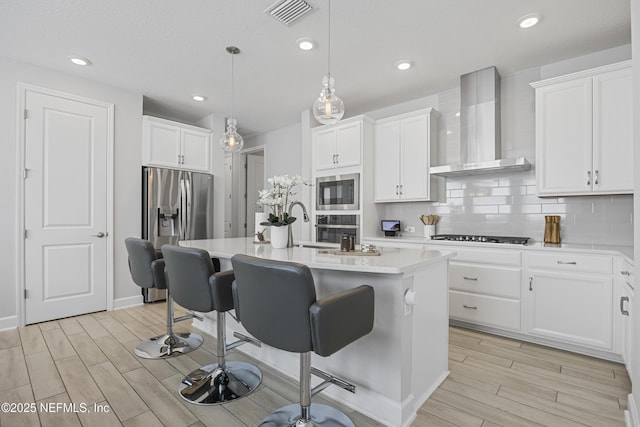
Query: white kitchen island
403	360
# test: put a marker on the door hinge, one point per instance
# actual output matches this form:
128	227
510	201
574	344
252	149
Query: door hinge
26	113
25	171
26	233
26	294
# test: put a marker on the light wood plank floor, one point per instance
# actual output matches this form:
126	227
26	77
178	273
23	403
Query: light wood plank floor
89	360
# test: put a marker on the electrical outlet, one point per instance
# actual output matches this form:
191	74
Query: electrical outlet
410	229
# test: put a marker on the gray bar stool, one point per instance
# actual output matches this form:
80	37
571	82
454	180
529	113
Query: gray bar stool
196	286
276	302
147	271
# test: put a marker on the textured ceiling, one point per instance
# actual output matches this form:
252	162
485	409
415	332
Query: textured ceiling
169	50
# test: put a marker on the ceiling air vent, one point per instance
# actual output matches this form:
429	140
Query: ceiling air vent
289	11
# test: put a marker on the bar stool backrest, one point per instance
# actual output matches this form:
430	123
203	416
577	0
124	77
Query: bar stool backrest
272	300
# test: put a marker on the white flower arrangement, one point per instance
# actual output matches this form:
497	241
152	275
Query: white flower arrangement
279	198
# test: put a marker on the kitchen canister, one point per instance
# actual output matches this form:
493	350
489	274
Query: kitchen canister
552	229
429	230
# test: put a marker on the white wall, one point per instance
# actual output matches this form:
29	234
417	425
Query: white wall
283	155
127	158
635	41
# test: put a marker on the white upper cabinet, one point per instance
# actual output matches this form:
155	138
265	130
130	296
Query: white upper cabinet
175	145
404	146
584	133
338	146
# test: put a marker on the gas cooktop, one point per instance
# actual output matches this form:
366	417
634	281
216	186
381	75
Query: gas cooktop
482	239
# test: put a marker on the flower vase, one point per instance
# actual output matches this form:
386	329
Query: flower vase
279	236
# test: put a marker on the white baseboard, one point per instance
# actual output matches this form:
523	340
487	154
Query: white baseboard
9	322
631	418
127	302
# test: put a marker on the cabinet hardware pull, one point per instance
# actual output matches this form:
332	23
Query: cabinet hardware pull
595	179
625	273
397	189
622	310
338	158
471	307
588	177
401	189
530	283
567	262
475	279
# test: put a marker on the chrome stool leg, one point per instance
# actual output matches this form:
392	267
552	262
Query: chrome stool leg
170	344
223	381
307	414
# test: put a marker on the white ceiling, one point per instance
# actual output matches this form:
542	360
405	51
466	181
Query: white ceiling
169	50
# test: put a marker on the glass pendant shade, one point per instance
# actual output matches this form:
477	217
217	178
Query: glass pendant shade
231	140
328	108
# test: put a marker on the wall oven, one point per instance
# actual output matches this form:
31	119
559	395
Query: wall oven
338	192
331	228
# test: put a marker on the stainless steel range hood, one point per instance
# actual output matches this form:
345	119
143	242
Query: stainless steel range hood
480	148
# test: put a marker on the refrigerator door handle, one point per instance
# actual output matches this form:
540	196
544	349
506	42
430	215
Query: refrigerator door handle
183	213
188	202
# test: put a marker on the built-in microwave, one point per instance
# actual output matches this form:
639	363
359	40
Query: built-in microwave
338	192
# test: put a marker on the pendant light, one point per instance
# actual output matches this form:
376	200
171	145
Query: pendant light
231	140
328	108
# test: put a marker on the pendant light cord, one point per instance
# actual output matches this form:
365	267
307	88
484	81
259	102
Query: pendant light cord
232	55
329	43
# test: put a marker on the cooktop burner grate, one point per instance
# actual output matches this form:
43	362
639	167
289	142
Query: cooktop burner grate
482	239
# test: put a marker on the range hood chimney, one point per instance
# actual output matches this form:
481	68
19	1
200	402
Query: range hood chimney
480	148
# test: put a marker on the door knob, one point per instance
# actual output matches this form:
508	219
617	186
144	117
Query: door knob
100	234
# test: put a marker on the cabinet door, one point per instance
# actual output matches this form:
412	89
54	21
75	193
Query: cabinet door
387	161
564	138
414	158
163	145
613	132
196	150
325	148
348	142
571	308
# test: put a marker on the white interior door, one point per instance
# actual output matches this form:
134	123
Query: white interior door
255	183
65	206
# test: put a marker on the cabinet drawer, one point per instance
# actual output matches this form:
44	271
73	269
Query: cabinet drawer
499	281
485	310
572	262
501	257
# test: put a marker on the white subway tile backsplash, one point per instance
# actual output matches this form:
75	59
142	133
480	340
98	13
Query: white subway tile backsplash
477	205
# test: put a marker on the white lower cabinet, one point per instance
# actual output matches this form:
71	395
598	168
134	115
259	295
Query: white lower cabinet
484	288
567	301
624	311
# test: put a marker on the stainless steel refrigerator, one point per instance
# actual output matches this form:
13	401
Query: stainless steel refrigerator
176	205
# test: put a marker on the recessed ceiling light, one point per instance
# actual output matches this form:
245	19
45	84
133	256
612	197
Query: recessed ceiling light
79	60
305	43
528	21
199	98
403	65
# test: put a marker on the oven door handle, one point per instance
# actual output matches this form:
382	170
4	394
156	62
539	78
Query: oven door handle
336	226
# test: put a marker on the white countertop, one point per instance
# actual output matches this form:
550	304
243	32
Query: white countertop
626	251
390	261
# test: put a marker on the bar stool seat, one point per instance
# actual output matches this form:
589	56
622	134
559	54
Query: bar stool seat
196	286
276	302
147	271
